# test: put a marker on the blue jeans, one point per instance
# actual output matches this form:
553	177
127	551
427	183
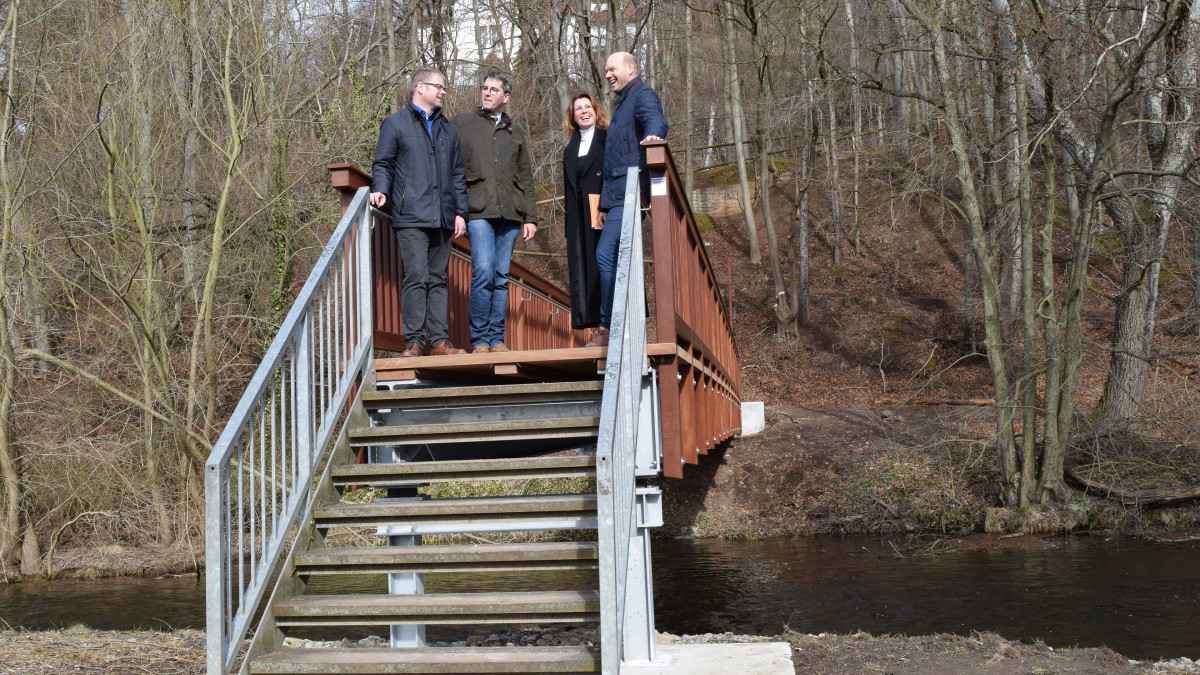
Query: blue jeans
491	254
607	251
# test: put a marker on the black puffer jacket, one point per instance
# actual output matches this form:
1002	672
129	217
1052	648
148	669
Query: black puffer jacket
423	177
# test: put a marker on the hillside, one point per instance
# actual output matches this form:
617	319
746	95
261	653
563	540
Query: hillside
856	439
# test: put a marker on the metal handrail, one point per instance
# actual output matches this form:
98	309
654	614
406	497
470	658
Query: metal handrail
616	445
259	475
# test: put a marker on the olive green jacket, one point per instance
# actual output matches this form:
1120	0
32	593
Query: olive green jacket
499	167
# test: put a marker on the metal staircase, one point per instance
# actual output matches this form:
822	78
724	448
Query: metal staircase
276	481
275	517
449	421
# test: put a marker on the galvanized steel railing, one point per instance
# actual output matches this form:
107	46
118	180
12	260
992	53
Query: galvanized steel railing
616	445
260	472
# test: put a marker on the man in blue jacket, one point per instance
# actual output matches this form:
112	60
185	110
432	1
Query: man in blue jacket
418	169
637	116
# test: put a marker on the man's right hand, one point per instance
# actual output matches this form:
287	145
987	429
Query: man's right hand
601	216
378	199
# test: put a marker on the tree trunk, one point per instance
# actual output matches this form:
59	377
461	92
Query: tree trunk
1169	141
153	312
836	198
856	104
190	103
734	88
800	259
617	42
1195	227
902	80
993	334
1027	303
11	474
688	83
784	313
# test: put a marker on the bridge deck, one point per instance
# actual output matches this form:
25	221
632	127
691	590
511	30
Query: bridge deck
535	364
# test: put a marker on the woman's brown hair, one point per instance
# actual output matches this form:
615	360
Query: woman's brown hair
569	125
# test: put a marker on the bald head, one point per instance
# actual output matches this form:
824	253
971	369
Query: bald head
620	69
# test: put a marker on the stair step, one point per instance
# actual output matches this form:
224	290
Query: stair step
428	660
440	608
474	432
470	558
569	466
535	392
465	511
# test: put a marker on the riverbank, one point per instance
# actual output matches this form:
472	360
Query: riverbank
181	652
859	468
905	471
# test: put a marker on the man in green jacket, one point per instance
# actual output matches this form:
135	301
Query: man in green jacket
500	196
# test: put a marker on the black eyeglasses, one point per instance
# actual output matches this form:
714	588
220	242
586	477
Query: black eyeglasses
435	85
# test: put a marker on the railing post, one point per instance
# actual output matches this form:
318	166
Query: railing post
347	178
304	397
665	279
365	290
214	567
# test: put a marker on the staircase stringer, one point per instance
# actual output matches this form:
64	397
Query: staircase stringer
267	636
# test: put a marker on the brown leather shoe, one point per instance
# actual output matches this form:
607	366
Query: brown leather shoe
500	348
413	349
446	349
599	338
481	349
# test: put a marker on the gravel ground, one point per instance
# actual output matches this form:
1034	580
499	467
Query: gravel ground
81	650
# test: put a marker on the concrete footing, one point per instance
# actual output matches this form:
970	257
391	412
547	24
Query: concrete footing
754	417
742	658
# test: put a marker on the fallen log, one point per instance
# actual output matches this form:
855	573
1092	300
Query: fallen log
890	400
1153	497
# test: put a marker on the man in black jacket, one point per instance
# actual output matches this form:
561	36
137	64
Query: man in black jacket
418	169
500	195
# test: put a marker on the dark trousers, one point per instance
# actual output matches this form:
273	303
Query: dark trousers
425	252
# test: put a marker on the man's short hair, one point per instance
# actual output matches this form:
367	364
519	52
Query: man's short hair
422	75
505	80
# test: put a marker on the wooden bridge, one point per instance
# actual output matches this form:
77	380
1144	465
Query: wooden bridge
323	414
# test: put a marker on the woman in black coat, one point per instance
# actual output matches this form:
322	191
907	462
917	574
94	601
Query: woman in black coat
586	122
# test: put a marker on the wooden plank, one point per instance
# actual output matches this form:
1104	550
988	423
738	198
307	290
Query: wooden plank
405	473
472	466
521	505
547	364
441	604
471	557
428	660
469	432
510	393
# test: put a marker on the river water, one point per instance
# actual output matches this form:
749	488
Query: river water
1138	597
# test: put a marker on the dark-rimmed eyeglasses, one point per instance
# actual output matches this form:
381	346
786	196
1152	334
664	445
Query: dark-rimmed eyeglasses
436	85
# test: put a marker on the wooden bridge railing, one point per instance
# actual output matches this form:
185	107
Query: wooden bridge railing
539	314
694	353
699	383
